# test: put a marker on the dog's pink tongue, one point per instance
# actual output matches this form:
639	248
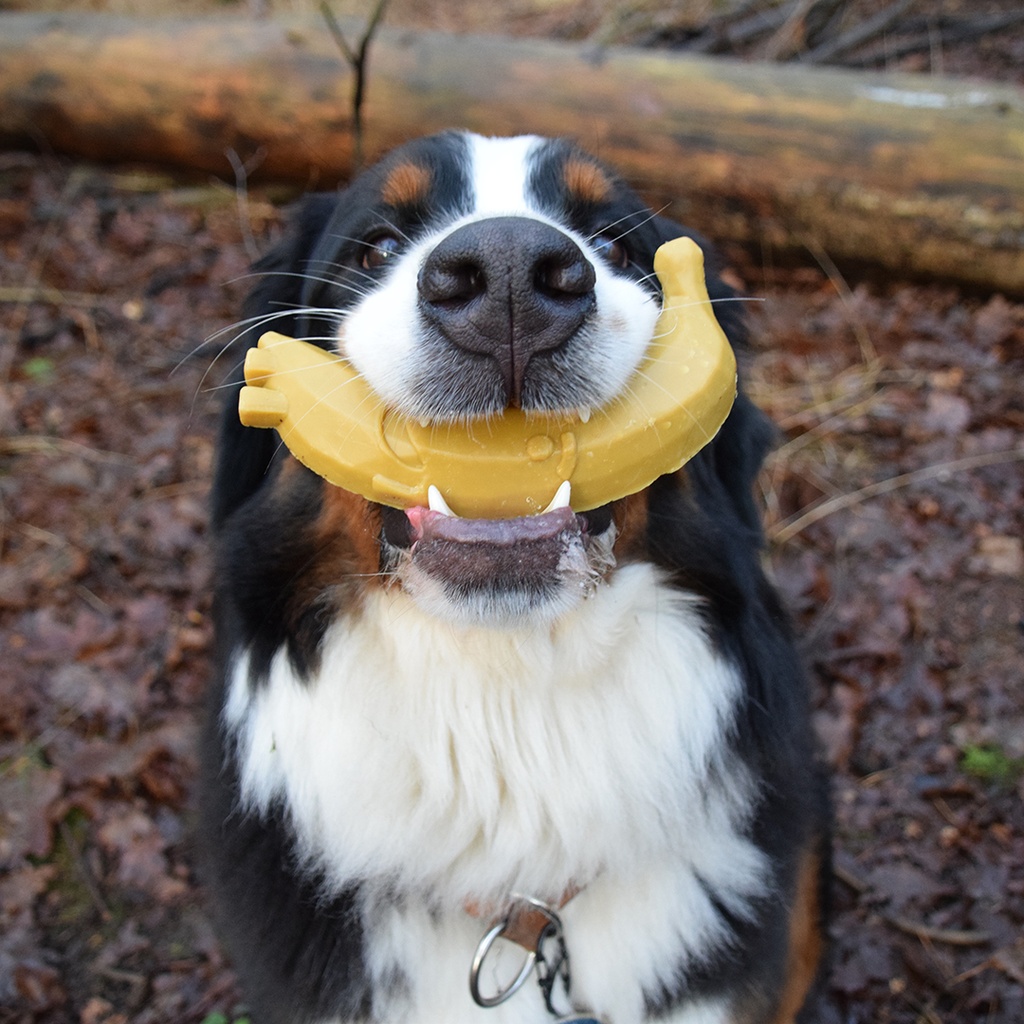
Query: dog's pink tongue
429	526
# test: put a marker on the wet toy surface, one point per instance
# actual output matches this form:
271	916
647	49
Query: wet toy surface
510	465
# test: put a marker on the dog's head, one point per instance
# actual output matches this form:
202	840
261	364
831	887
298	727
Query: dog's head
463	276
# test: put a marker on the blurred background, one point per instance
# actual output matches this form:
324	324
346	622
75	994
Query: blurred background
894	504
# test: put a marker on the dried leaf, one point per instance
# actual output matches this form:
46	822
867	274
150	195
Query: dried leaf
27	795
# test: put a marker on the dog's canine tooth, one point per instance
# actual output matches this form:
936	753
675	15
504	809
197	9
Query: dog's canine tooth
436	502
584	413
561	498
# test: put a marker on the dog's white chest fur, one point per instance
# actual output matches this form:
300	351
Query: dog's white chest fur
438	767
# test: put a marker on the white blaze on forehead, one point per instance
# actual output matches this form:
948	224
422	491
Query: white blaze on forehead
500	171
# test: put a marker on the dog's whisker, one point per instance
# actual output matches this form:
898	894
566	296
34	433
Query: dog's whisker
332	282
369	244
722	300
251	323
231	384
345	270
301	275
657	336
605	228
241	328
199	388
397	230
646	215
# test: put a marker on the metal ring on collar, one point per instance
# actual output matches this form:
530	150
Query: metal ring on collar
493	934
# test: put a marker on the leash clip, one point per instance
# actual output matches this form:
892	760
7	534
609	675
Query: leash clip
552	963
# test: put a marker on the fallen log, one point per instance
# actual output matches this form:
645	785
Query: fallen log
918	175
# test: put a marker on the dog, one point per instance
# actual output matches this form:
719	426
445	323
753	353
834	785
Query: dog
428	742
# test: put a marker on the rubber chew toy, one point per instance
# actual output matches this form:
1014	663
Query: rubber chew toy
510	465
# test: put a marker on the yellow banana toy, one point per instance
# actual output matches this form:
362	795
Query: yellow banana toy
510	465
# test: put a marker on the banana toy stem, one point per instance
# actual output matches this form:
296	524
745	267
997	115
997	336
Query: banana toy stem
507	466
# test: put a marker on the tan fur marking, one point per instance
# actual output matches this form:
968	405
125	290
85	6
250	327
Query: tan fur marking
805	939
348	530
406	184
586	181
338	546
630	515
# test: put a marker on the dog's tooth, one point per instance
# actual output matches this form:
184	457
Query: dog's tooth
561	498
436	502
584	413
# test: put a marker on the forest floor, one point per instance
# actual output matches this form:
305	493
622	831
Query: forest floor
895	512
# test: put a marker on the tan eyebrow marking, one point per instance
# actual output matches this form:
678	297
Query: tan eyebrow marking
586	181
406	184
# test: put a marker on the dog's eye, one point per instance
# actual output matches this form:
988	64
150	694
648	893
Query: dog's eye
380	250
611	250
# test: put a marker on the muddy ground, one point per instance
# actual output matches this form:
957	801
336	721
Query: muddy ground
895	510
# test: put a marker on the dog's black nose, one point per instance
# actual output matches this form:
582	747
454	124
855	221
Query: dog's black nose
507	288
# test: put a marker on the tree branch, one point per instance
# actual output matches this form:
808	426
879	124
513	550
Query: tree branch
357	60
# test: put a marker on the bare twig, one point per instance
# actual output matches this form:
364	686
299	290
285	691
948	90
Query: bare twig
1009	960
868	352
733	31
27	294
960	30
94	601
850	878
357	60
948	936
823	21
86	323
242	172
735	12
710	34
30	444
846	407
789	37
1009	964
77	854
790	527
858	35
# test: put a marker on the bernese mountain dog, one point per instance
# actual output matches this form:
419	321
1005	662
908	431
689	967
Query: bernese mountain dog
481	772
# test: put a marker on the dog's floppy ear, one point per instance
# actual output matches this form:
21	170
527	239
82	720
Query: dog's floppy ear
747	436
244	453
